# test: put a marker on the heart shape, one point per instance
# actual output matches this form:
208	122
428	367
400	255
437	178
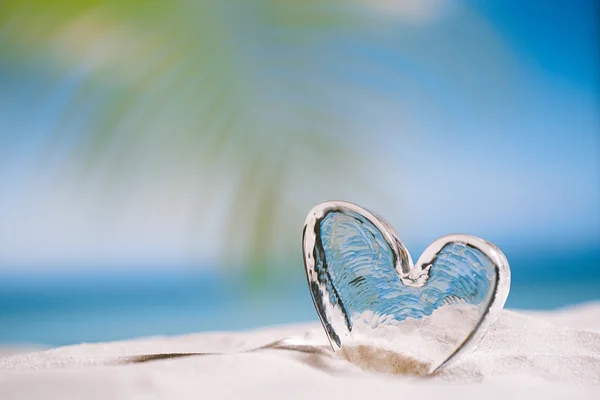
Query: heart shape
382	313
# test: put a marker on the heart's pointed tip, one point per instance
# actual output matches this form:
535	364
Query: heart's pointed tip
373	358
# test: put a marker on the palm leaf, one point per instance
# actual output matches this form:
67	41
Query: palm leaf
258	87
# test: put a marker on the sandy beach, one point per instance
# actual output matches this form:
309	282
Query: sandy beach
525	355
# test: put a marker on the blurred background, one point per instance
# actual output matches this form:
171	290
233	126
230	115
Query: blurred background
158	158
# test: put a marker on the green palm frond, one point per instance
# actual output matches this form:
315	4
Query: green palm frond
264	88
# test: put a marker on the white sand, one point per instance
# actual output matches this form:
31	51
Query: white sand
525	355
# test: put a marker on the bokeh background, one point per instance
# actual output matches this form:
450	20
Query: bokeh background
158	158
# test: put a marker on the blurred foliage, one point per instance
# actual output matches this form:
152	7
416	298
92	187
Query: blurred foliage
264	88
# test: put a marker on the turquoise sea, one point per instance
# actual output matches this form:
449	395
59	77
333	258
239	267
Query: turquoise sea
62	309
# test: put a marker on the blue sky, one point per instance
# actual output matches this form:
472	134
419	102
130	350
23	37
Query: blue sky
561	38
503	142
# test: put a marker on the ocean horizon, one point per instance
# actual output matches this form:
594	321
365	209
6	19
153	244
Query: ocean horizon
54	309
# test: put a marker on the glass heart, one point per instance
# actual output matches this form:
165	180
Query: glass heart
384	314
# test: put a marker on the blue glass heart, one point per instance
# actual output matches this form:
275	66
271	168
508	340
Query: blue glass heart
381	312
